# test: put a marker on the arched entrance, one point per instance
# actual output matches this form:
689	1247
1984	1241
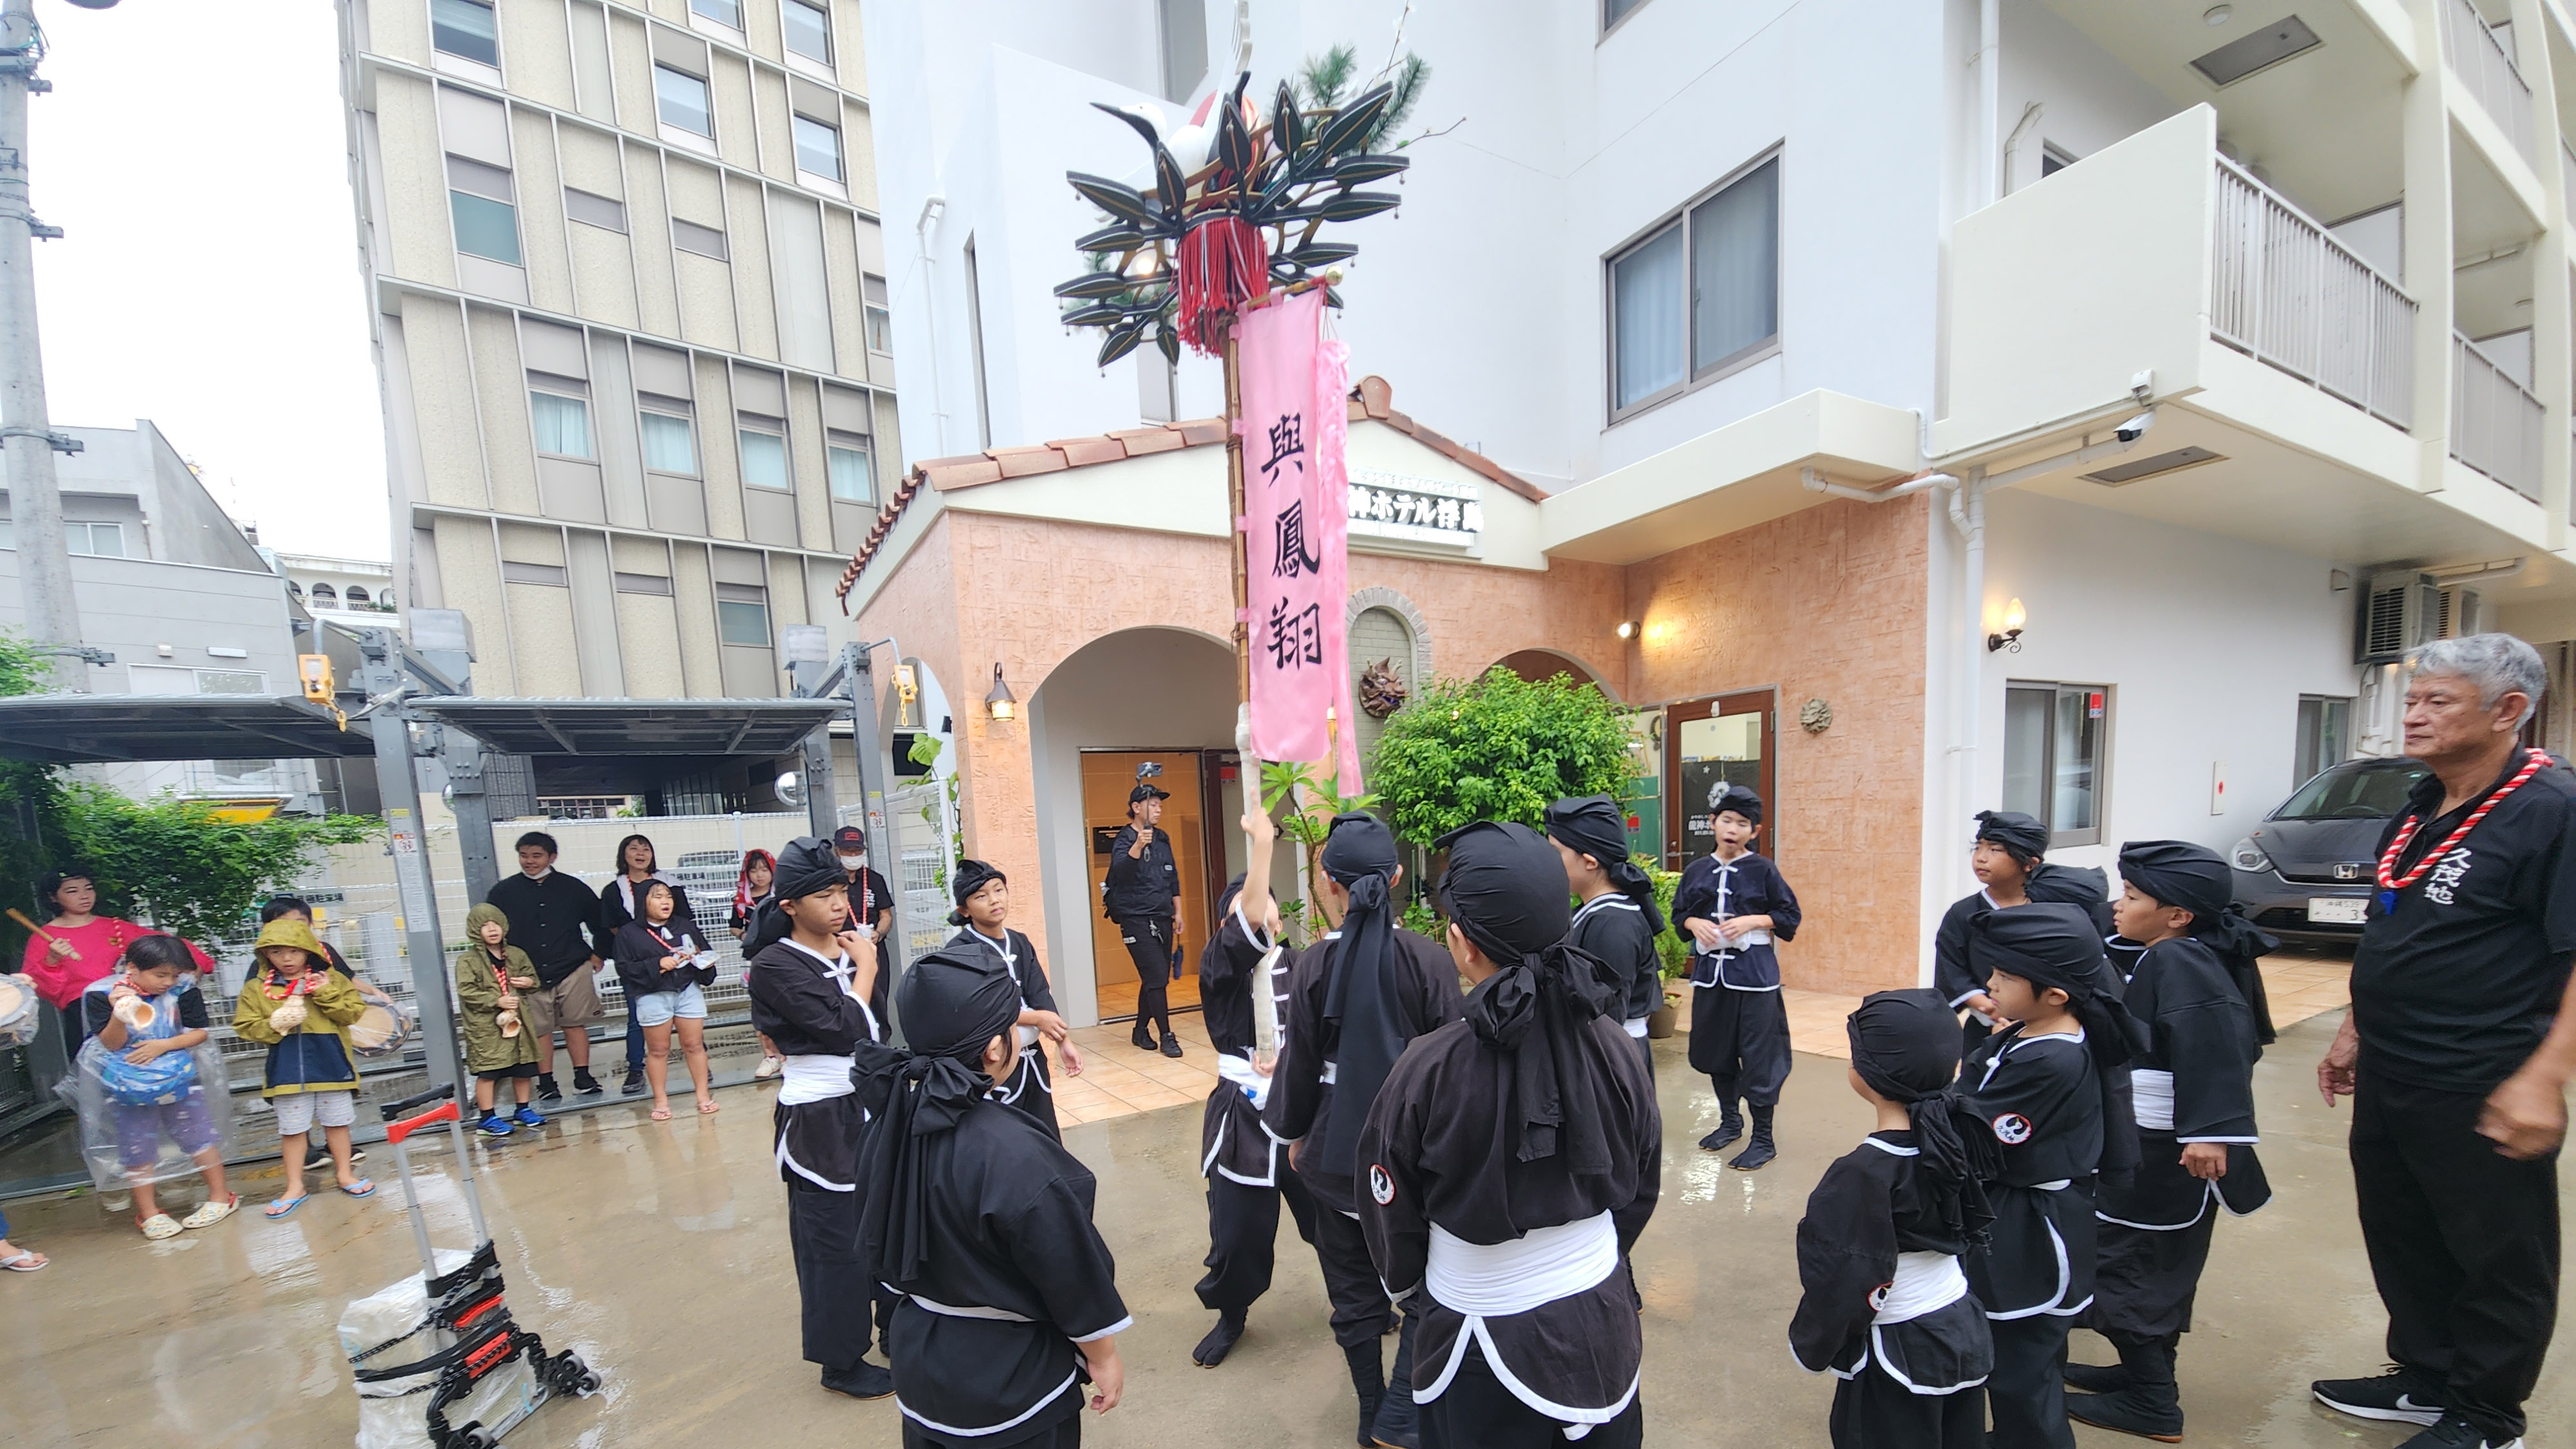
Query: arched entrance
1536	665
1138	695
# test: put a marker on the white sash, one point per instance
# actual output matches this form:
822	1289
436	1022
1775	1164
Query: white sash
1542	1265
2152	1093
1238	1070
1636	1026
803	1079
1924	1282
1331	1072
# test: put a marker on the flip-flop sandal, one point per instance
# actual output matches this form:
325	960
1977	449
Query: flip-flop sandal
710	1107
361	1188
285	1205
661	1114
24	1262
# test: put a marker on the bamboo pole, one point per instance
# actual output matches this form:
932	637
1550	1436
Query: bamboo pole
1242	540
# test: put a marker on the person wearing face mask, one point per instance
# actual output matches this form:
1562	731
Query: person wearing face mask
870	918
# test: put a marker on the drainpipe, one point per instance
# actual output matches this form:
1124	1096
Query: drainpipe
2012	143
933	207
1968	518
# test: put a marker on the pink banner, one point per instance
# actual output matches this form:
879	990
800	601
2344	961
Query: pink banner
1295	527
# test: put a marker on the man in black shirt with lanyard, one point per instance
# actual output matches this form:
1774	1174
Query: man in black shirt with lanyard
2457	1053
1142	896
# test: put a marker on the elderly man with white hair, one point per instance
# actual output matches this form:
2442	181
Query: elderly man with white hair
2457	1053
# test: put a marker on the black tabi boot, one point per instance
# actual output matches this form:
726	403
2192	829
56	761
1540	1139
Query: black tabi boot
1398	1425
1219	1341
2090	1378
1730	1124
2151	1406
1368	1380
861	1380
1757	1154
1142	1036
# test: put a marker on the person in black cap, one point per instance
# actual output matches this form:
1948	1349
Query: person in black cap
983	911
1245	1166
2196	991
1618	920
1886	1306
2041	1088
1511	1161
1735	904
1142	897
809	995
1355	999
981	1221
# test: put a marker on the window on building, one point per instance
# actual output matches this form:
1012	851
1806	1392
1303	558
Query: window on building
1614	11
653	585
809	30
706	241
465	28
880	318
764	459
325	594
2053	158
742	614
2325	734
722	12
480	202
552	576
562	424
2054	736
853	476
599	211
818	148
1700	294
101	540
680	99
975	338
669	446
356	595
1184	43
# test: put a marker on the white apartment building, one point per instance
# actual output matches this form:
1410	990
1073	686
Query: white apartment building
624	275
356	593
1717	278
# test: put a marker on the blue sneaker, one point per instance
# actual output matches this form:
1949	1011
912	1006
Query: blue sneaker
495	1125
527	1117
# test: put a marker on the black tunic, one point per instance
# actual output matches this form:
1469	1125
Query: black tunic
1613	928
1144	888
1749	885
801	1002
2194	1083
1872	1259
870	901
1232	1141
1954	978
637	950
1441	1165
2040	1098
1015	1276
1030	1088
1301	1097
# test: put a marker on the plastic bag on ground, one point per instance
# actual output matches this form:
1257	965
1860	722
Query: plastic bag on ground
391	1327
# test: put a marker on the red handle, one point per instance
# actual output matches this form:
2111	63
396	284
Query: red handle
443	1112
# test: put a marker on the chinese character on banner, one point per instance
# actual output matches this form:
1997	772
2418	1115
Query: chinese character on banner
1296	511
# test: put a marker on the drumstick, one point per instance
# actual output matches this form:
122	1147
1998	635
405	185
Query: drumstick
20	917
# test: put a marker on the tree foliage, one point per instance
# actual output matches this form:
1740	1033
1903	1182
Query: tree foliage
182	867
1496	748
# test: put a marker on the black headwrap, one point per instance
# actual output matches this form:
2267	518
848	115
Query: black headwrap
2196	878
952	1003
1593	826
2047	944
2026	838
968	878
807	867
1505	889
1362	1000
1739	798
1905	1045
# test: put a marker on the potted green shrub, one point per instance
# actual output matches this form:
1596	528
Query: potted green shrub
1671	947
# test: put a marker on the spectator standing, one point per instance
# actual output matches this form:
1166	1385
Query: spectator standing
552	917
751	890
663	959
76	946
2457	1051
1142	897
318	1156
490	974
619	904
301	1011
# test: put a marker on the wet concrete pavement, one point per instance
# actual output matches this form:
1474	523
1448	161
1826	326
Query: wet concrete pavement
658	1250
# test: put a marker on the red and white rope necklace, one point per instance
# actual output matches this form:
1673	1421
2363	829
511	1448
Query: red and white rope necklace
2390	883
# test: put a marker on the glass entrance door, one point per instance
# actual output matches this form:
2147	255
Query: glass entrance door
1708	745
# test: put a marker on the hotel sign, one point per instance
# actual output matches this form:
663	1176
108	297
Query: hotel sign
1402	507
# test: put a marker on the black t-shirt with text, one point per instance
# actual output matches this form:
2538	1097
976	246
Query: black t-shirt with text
2455	985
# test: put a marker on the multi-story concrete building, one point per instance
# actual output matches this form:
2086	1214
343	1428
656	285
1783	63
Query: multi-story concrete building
1697	287
624	273
355	592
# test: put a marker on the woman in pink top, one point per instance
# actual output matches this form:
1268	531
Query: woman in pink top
76	947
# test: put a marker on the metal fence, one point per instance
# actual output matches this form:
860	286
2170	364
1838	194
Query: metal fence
2495	421
2285	292
2481	61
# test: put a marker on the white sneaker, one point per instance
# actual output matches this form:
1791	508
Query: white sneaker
211	1212
768	1068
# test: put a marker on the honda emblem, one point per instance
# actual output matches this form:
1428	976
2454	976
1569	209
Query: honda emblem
2348	870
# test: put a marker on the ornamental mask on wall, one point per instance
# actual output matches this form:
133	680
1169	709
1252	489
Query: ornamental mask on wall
1381	693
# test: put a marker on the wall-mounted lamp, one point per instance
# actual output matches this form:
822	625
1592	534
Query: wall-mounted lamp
2014	618
1627	628
1000	701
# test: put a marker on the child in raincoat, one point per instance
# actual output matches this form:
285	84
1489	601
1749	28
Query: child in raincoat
299	1009
490	974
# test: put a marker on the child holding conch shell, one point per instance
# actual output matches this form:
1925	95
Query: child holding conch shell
490	974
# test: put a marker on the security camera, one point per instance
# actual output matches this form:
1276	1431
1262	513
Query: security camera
2135	428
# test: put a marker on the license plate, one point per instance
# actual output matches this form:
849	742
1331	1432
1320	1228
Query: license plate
2339	910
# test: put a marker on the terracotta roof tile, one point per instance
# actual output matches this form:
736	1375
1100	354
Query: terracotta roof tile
946	473
1201	430
1079	452
1021	462
1140	441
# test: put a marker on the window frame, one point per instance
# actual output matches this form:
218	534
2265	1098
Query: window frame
1693	376
643	434
1609	25
89	538
2304	751
2058	690
864	449
592	200
589	434
820	11
742	430
876	314
705	87
487	8
478	183
768	625
797	121
735	24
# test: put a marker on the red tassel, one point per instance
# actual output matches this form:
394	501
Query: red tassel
1223	264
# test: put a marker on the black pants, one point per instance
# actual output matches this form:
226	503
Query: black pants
1477	1412
2027	1390
2463	1243
1741	1040
1063	1434
1243	1237
1360	1310
1149	945
836	1296
1874	1411
2144	1281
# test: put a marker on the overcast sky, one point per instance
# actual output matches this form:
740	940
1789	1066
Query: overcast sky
193	153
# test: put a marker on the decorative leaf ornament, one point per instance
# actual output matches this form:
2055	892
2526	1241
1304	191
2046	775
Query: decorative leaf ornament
1220	230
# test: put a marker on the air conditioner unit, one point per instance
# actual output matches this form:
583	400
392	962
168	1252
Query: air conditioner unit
2461	612
2396	614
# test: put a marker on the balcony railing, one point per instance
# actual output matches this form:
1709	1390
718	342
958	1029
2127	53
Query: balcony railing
2486	67
2495	421
2285	292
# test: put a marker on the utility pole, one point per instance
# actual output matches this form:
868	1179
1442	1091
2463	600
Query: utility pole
27	439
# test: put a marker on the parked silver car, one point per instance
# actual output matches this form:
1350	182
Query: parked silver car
2307	873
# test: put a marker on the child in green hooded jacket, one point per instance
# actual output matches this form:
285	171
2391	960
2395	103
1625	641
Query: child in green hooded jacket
490	974
297	1007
